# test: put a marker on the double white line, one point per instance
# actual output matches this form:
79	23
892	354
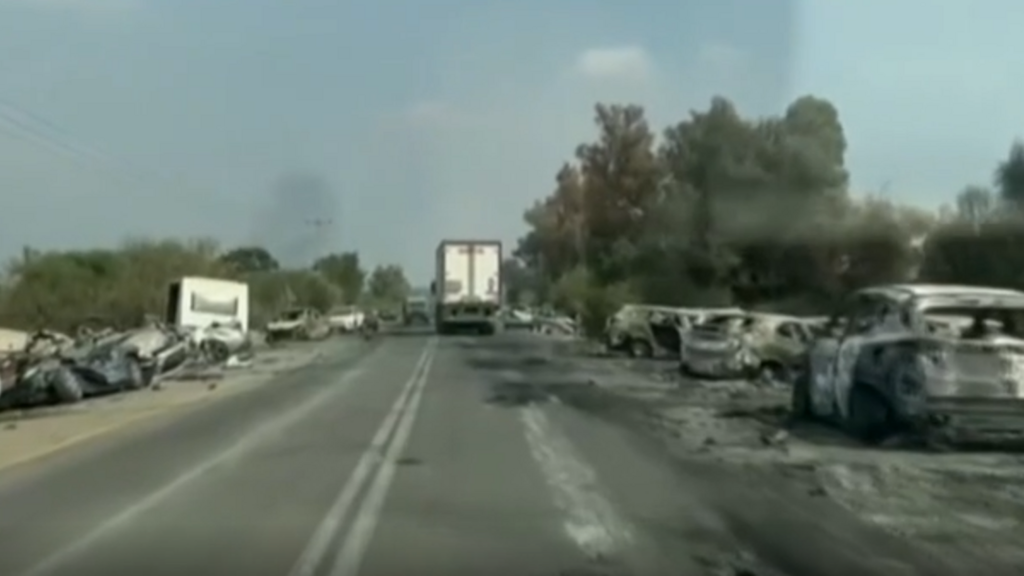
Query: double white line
381	457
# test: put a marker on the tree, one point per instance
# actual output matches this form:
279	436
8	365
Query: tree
1009	176
975	205
344	271
250	259
620	179
388	285
520	282
726	210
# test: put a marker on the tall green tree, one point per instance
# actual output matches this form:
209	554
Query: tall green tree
344	271
387	284
251	259
1009	176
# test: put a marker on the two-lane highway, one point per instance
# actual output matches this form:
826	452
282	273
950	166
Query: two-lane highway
416	456
389	464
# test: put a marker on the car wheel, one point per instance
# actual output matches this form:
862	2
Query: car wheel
800	399
640	349
66	387
216	351
136	378
773	373
868	418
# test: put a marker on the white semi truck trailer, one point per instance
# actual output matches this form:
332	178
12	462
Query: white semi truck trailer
467	286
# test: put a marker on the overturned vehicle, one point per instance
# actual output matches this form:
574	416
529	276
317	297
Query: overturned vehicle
768	347
940	363
52	370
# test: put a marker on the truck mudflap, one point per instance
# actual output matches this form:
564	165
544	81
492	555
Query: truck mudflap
996	423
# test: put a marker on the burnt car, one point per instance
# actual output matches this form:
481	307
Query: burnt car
942	361
769	347
645	331
52	370
298	324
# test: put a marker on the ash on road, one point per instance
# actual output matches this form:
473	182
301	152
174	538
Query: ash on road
435	456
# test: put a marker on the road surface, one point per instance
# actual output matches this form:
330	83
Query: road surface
422	456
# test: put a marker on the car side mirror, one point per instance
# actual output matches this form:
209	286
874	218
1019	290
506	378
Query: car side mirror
433	287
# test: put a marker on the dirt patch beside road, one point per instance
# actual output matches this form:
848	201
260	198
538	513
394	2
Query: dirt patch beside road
31	434
966	509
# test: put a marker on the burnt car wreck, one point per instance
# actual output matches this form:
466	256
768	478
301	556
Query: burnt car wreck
766	347
942	363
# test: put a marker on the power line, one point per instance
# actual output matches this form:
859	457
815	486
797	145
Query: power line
35	128
27	126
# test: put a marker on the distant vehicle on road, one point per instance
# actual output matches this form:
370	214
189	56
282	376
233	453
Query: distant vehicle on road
346	319
416	310
467	286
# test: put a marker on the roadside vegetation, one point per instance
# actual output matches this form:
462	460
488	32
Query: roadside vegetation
757	212
120	287
717	209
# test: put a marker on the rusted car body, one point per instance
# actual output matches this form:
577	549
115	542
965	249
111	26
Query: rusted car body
945	361
746	344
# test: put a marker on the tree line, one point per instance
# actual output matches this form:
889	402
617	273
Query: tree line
62	290
756	212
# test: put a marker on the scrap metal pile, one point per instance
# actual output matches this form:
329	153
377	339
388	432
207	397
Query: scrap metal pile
934	362
45	367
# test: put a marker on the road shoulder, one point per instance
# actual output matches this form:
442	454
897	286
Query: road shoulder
33	437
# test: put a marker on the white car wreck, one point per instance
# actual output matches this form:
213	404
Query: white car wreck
943	361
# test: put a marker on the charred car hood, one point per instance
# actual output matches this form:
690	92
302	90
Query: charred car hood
284	325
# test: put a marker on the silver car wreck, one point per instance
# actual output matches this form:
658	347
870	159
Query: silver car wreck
944	362
745	344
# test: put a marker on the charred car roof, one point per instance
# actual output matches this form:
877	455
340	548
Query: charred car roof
943	291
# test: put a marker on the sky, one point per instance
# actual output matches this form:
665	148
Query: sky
383	127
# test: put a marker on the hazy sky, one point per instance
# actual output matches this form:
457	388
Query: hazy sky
395	123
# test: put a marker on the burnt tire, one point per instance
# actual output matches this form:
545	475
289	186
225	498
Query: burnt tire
800	398
136	376
868	417
774	373
216	351
65	386
640	348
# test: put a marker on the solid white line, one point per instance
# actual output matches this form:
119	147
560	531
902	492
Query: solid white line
360	534
591	522
247	443
319	545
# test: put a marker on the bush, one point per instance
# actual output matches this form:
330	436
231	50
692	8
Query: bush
270	293
581	294
63	289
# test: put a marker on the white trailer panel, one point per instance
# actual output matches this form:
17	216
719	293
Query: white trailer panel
469	272
196	302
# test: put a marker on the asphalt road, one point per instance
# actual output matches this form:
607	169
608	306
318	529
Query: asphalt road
418	456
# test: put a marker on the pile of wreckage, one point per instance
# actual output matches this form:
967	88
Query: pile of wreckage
46	367
941	362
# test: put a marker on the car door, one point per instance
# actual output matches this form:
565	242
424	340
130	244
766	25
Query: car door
867	314
830	352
